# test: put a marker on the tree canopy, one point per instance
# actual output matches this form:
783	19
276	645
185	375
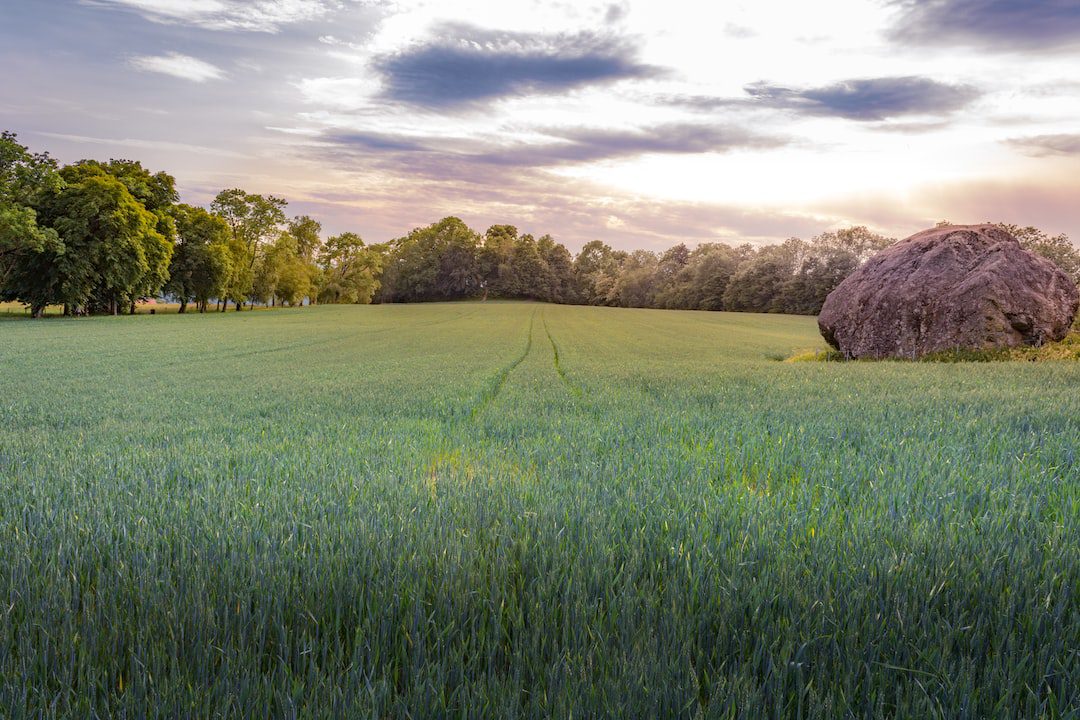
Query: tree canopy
97	236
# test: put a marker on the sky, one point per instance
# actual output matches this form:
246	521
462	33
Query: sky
642	123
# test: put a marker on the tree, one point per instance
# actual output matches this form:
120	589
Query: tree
25	178
493	260
111	251
527	270
307	233
561	285
756	285
596	268
437	262
154	191
350	270
857	240
201	261
666	282
804	292
635	284
254	221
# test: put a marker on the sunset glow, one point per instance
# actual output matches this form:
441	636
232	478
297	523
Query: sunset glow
640	123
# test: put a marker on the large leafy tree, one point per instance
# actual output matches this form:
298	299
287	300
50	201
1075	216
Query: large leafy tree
636	282
201	261
561	286
596	268
110	254
820	272
756	285
307	233
25	178
437	262
493	260
156	191
858	240
350	270
255	222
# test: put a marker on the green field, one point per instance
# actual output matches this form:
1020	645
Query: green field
524	510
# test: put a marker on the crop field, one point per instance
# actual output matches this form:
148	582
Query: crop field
516	510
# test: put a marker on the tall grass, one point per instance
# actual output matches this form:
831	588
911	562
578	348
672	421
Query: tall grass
520	510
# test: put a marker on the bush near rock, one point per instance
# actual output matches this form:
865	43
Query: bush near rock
969	287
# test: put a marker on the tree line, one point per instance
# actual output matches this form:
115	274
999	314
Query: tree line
96	237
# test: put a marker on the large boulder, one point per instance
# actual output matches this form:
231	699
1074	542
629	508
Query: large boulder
958	286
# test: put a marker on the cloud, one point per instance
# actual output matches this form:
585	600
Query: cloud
466	64
251	15
868	99
1005	24
587	145
1045	145
1048	203
177	65
445	157
375	141
159	145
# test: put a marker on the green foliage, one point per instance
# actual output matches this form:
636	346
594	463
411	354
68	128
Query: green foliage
255	222
156	191
351	270
755	285
432	263
531	511
24	178
202	261
307	233
110	252
269	259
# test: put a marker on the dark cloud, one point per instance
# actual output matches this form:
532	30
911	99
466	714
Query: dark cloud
590	145
468	64
375	141
446	156
1007	24
869	98
1043	145
864	99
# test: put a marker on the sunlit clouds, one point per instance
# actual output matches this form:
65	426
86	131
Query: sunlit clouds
177	65
638	123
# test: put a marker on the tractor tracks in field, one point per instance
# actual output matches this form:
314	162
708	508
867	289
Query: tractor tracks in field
574	389
499	380
492	391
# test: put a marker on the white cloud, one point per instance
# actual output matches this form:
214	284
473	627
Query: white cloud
177	65
251	15
159	145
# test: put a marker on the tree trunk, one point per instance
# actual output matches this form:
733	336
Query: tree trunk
183	307
37	311
132	308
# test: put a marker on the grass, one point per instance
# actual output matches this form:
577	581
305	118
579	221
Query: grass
523	510
1068	348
